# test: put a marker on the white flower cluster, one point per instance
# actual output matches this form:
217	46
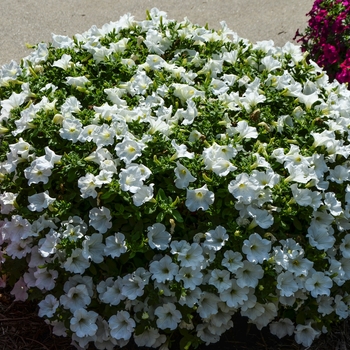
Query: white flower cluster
165	176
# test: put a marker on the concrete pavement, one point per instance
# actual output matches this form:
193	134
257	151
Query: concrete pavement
33	21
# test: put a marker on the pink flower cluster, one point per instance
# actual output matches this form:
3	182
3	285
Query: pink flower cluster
327	37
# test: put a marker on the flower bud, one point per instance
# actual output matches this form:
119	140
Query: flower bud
3	130
58	119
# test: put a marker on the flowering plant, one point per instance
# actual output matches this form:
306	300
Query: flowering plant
158	177
327	37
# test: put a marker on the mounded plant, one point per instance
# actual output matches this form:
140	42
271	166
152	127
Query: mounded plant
327	37
158	177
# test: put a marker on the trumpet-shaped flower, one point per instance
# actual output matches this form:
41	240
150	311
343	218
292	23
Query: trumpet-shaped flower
39	171
19	290
305	334
7	202
200	198
115	245
163	270
121	325
45	279
249	274
183	176
64	62
48	306
168	317
216	239
220	279
243	189
40	201
190	277
191	256
144	194
158	237
232	260
181	151
282	327
87	185
318	284
83	323
71	129
100	219
287	284
256	248
129	149
76	263
245	131
77	297
93	248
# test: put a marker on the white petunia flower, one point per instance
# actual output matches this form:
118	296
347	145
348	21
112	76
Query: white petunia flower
129	149
232	260
132	286
7	202
77	297
158	237
216	239
256	248
76	263
71	129
115	245
39	171
144	194
287	284
181	151
339	174
260	217
190	277
185	92
149	337
100	219
130	179
163	270
220	279
345	246
83	323
64	62
103	135
45	279
200	198
191	256
77	81
318	284
183	176
243	189
121	325
48	306
249	274
244	131
168	317
208	304
305	334
87	185
93	248
282	327
321	236
40	201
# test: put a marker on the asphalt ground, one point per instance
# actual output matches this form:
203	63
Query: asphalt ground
34	21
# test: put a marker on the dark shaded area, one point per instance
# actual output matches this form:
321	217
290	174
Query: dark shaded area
22	329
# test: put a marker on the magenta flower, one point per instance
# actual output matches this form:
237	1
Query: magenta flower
326	37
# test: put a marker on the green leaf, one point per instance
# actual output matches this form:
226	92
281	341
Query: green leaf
177	216
160	216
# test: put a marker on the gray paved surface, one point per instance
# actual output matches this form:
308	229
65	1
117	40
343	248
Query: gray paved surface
33	21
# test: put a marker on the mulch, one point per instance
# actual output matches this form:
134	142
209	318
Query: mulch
22	329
